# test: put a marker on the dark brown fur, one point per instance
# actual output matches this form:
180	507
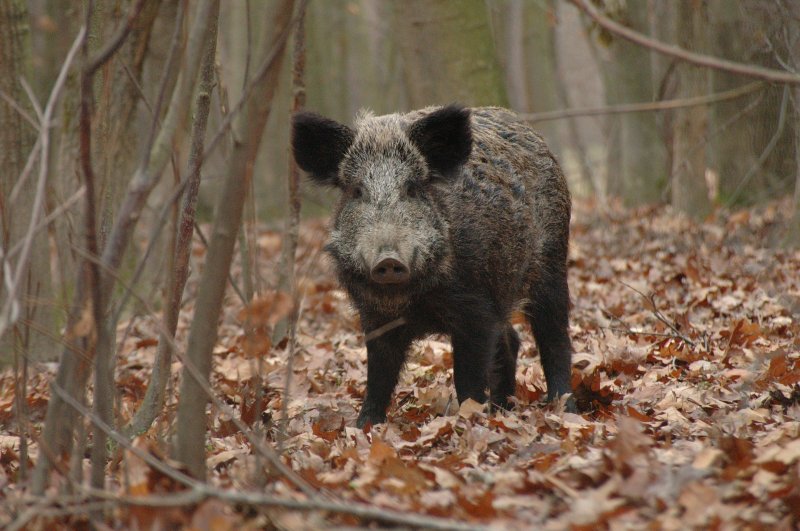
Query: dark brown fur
477	205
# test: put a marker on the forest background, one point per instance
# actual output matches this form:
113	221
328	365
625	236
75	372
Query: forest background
147	194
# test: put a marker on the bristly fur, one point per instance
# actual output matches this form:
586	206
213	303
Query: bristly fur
477	206
319	144
443	137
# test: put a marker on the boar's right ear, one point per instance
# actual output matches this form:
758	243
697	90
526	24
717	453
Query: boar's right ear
319	145
444	137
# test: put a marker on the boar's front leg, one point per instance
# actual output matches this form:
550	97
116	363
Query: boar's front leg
385	357
474	343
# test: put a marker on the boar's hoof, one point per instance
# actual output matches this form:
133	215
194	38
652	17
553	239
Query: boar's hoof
369	418
389	270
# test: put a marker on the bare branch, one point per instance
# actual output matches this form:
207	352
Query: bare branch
660	316
663	105
378	332
148	173
248	130
103	399
195	373
22	112
116	41
767	74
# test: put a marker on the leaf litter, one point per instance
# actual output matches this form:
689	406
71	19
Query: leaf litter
686	373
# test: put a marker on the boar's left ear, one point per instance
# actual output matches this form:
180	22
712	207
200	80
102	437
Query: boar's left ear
444	137
319	145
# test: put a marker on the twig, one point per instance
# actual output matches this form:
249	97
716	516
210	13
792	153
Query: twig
264	450
21	183
138	88
627	329
369	512
255	82
388	327
658	315
202	491
32	97
663	105
22	112
22	180
632	332
58	211
767	74
167	82
62	509
232	281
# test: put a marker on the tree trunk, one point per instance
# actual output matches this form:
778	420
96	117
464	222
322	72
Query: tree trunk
628	78
447	53
540	61
793	236
689	190
525	34
248	127
17	137
792	43
749	171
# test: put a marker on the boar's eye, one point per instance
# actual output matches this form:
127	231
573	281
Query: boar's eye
412	190
357	192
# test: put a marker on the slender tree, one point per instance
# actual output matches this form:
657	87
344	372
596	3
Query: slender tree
88	338
178	271
689	190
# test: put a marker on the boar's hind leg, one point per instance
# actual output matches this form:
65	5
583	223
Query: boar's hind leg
504	369
385	357
548	314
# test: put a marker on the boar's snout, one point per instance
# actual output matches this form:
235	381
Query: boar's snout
389	269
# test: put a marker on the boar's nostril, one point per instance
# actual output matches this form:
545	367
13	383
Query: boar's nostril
389	270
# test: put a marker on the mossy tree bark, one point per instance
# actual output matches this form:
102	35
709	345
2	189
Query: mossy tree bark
448	53
688	187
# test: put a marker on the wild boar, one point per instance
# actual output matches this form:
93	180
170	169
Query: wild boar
449	219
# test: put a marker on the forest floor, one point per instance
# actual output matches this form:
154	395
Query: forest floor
686	372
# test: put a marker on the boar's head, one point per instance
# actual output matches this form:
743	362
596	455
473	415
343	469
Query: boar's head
389	237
